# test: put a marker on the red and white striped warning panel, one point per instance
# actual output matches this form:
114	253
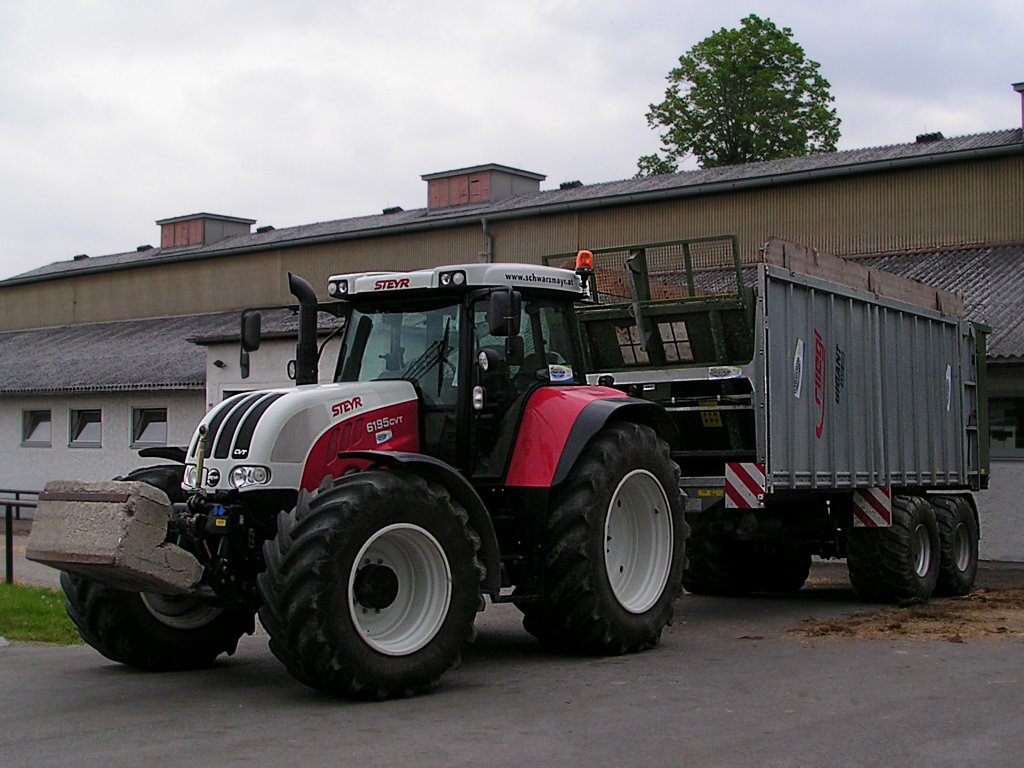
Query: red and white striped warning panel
872	508
744	486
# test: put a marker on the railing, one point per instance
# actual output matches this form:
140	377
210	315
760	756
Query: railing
13	502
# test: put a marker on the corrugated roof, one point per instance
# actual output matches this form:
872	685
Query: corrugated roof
131	355
990	277
122	356
705	181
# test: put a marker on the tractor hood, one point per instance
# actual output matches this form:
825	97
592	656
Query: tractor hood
290	438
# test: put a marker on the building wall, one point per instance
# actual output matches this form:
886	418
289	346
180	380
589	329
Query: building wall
30	468
1002	514
947	204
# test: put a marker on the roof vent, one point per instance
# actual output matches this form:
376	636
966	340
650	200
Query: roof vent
81	257
478	185
570	185
265	228
146	247
393	209
928	138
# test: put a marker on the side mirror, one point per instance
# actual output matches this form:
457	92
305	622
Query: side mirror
251	323
251	330
503	313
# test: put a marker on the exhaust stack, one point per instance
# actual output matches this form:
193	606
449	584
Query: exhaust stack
306	371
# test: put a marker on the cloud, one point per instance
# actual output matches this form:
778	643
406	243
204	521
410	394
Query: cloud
118	114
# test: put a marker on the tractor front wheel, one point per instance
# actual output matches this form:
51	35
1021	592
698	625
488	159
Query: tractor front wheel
372	585
149	631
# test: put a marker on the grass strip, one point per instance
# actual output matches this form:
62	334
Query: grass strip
35	615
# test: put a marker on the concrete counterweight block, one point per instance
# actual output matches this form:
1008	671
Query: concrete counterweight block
112	532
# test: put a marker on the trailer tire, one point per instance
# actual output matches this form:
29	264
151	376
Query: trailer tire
779	567
372	585
958	544
614	548
157	633
717	565
898	564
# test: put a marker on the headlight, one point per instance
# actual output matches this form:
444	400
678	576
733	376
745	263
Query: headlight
190	476
245	477
337	287
448	279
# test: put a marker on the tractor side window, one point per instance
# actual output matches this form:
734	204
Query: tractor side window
548	351
417	346
548	356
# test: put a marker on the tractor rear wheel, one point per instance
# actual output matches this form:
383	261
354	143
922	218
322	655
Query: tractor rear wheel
614	550
149	631
372	585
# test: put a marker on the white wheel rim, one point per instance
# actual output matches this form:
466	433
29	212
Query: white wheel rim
638	541
424	589
180	612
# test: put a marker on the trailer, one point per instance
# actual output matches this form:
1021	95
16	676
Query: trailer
821	408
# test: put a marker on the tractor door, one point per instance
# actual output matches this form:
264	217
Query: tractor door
509	368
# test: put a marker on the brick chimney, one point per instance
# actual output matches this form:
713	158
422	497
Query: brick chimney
200	229
478	185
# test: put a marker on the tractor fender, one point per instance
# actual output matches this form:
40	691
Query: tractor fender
437	471
559	422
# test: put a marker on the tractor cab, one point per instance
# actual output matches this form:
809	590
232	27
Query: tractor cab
474	342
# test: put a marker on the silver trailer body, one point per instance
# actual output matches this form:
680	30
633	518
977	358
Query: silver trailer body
854	390
817	407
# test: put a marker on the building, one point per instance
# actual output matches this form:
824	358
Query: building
102	355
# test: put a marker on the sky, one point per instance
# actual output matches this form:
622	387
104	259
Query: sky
116	114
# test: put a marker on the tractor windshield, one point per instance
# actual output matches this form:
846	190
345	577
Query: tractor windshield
415	343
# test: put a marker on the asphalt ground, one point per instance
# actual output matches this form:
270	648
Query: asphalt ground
730	685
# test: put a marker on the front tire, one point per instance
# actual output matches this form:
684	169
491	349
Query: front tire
156	633
614	550
372	585
898	564
153	632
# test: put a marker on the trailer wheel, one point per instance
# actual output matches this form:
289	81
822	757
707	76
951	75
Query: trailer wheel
958	544
900	563
717	565
779	567
372	585
614	550
153	632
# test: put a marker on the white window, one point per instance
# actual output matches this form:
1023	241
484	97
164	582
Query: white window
86	428
36	428
149	426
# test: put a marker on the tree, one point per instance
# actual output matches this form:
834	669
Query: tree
743	95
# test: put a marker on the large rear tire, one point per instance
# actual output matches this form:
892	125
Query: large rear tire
898	564
153	632
958	544
614	549
372	585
